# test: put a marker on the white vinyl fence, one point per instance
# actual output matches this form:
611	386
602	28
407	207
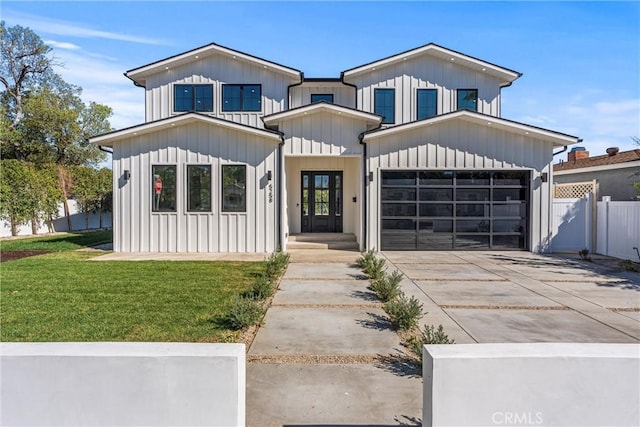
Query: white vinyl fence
618	225
572	224
615	226
78	222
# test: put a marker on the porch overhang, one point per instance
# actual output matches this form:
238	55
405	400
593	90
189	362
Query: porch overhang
273	120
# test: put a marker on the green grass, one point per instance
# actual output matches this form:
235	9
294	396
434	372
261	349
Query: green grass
64	296
63	242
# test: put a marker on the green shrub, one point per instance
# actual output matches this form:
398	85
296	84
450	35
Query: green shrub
243	312
388	286
628	265
428	335
376	269
276	264
261	288
363	261
584	254
404	312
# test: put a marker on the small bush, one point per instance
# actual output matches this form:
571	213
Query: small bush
428	335
388	286
365	260
584	254
276	263
243	312
261	288
404	312
628	265
376	269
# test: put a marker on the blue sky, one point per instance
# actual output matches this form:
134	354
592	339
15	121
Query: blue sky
580	60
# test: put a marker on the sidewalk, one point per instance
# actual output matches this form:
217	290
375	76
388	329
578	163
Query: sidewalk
323	355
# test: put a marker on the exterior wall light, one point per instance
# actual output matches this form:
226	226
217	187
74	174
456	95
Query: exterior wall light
127	175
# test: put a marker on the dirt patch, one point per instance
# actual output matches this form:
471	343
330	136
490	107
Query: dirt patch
14	255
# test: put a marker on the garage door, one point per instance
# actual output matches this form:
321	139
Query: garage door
454	210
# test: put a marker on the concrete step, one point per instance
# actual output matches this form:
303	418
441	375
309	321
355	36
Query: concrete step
344	245
322	237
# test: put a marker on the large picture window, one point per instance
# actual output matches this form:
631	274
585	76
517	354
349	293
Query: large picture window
163	188
241	98
468	99
427	103
199	188
192	98
234	188
384	104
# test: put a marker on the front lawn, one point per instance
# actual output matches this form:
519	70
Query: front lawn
58	242
64	296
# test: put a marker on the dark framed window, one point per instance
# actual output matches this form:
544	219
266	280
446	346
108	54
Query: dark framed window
163	188
241	97
234	188
192	97
427	103
317	97
198	188
468	99
385	104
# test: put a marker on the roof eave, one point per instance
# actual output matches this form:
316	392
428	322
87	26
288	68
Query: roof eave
320	106
558	139
135	74
107	139
507	74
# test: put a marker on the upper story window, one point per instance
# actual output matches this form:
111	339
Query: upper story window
241	97
199	188
468	99
163	188
427	103
193	98
317	97
384	104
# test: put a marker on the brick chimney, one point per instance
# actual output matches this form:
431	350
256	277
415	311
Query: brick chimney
577	153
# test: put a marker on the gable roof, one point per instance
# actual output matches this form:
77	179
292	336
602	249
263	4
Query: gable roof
109	138
605	160
508	76
322	106
139	74
557	138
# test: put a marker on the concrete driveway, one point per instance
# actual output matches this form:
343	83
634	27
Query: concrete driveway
326	354
522	297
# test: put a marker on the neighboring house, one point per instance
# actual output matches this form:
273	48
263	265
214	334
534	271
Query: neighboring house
614	173
407	152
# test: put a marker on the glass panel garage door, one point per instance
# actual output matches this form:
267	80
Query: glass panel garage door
454	210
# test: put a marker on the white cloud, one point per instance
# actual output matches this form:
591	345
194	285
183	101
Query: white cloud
64	28
61	45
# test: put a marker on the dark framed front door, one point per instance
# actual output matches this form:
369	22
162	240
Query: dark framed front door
321	206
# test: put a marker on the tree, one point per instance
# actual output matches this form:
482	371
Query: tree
27	194
24	59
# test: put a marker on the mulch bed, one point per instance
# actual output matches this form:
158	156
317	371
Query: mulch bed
13	255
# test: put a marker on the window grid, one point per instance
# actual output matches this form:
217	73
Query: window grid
193	97
384	104
427	103
485	211
241	97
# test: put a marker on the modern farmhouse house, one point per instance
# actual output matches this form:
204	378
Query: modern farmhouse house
408	152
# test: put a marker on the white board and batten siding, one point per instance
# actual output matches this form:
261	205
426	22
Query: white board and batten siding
461	145
138	229
426	73
218	70
322	134
342	94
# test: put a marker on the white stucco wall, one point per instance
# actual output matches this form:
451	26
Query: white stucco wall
531	384
122	384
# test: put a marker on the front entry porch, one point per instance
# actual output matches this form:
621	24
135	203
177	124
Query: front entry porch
322	195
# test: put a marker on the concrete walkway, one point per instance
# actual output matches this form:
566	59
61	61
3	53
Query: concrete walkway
322	355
